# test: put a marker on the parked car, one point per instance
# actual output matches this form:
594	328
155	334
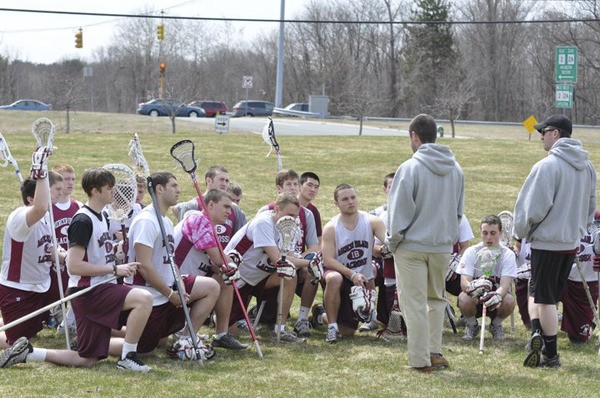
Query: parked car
27	105
297	106
253	108
211	108
166	107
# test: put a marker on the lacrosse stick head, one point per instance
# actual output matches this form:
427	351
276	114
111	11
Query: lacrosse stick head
268	135
125	192
4	153
287	228
183	152
137	156
506	217
488	257
43	132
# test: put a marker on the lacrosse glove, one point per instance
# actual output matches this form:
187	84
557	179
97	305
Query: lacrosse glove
478	287
315	266
491	300
39	166
285	269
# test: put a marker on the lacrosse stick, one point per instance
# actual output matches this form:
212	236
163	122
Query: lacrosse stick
180	288
287	228
506	217
586	288
125	193
487	258
43	132
268	134
595	233
183	152
137	156
6	157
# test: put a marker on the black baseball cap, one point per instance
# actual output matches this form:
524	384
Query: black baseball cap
560	121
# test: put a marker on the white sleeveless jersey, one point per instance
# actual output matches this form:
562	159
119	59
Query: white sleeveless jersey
249	242
27	256
354	248
145	230
98	251
188	258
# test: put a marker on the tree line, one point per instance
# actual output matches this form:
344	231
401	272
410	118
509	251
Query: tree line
493	71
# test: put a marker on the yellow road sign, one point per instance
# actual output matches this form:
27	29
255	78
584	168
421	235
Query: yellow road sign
529	123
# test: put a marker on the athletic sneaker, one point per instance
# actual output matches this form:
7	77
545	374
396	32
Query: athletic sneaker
317	312
553	362
470	332
229	342
438	361
287	337
536	343
497	333
369	326
17	353
388	335
183	349
133	363
303	328
332	335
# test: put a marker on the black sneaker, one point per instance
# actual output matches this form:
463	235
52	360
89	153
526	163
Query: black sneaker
17	353
553	362
317	310
229	342
536	343
133	363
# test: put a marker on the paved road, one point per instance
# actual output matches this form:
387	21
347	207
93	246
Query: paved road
296	126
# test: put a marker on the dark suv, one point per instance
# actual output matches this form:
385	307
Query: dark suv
211	108
253	108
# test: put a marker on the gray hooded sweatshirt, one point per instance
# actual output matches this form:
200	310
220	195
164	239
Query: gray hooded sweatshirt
425	203
558	199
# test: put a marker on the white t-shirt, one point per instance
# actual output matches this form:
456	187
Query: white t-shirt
470	265
585	252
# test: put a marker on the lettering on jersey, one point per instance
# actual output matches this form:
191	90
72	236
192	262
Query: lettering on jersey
62	223
267	267
205	267
354	252
587	257
171	241
46	242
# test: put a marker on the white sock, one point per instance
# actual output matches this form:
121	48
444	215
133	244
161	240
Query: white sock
333	325
127	348
303	313
37	355
219	335
497	321
471	321
70	317
282	328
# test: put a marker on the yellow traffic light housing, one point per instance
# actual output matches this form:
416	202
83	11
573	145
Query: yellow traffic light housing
79	39
160	31
162	67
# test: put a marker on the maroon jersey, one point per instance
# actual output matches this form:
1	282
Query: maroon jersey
62	220
313	209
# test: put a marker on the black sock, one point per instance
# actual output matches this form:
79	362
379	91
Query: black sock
550	346
536	326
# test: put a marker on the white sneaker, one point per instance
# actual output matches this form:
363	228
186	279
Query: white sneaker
133	363
368	327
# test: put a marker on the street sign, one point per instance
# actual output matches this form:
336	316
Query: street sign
222	124
566	64
247	82
564	96
529	124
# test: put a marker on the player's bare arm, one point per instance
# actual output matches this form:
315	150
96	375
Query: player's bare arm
78	266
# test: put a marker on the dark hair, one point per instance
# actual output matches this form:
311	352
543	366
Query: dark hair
140	181
285	199
308	174
389	176
96	178
563	133
215	196
211	172
424	127
285	175
234	188
161	178
54	177
27	190
492	219
339	188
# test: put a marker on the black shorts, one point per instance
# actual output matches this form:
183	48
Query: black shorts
549	273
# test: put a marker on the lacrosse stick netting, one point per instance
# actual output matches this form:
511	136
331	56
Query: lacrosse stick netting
6	157
183	152
268	135
487	259
43	131
288	231
506	217
137	156
125	192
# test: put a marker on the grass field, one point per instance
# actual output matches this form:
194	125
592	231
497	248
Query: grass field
495	161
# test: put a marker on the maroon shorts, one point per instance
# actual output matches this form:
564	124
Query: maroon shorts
523	300
578	317
246	293
15	304
96	313
54	291
164	320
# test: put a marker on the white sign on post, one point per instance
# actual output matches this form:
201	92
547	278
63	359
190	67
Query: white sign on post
247	82
222	124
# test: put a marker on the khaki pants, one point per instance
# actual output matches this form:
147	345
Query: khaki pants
420	278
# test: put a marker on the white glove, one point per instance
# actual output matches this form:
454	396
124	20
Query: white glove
386	253
230	273
524	271
491	300
479	287
235	257
452	266
39	165
315	266
363	302
119	250
286	269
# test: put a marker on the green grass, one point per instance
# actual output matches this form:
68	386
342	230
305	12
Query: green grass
495	165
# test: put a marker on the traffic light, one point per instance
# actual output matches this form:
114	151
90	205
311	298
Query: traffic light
162	67
79	39
160	31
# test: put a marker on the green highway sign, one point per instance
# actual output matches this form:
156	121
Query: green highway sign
564	96
566	64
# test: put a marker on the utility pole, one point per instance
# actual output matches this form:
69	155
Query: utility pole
279	83
160	35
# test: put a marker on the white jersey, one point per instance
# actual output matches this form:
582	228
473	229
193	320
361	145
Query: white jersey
98	251
465	233
193	235
585	252
26	255
249	242
470	265
145	230
307	225
354	248
115	225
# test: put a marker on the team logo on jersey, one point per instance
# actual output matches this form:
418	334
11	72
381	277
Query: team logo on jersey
221	229
45	242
